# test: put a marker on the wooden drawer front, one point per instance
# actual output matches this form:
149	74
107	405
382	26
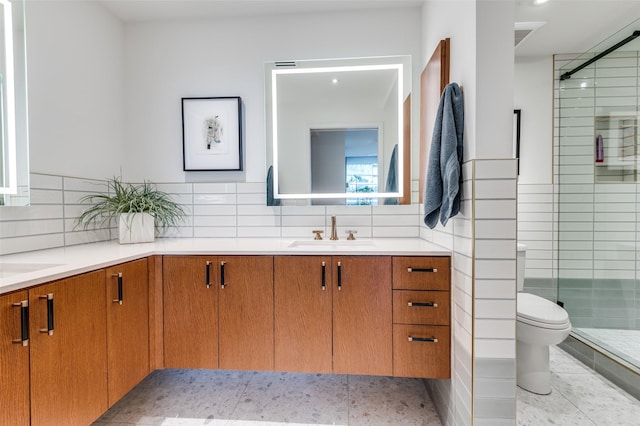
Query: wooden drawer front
423	359
421	273
421	307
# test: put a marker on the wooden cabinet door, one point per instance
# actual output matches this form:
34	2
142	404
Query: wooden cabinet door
303	311
14	359
127	327
246	312
190	302
362	322
69	362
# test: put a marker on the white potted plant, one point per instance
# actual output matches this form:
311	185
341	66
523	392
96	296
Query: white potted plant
139	209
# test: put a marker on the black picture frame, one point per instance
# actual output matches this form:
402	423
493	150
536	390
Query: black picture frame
212	133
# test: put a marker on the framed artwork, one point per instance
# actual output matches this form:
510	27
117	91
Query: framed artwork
212	134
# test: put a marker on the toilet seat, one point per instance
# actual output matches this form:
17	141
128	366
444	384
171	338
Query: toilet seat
539	312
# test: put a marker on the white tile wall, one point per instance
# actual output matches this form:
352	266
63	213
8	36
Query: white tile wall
213	210
494	309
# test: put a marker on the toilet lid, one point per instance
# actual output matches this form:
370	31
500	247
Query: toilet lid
537	309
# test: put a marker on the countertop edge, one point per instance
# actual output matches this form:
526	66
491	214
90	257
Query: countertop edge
78	259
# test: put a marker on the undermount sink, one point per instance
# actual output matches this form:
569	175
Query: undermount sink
8	269
332	243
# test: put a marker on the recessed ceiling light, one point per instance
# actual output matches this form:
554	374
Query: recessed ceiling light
334	81
539	2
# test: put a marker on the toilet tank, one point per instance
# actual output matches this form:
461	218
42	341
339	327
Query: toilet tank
520	265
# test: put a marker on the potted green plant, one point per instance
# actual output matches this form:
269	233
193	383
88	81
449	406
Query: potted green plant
140	209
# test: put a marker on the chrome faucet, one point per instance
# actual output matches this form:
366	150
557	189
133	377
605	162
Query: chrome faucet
334	233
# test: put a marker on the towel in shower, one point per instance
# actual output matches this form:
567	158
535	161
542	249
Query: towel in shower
270	200
392	177
442	188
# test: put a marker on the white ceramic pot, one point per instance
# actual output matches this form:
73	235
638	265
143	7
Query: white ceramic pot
136	228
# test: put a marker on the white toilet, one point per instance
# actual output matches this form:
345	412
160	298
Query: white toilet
540	323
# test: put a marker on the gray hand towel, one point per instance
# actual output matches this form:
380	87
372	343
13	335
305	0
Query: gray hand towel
442	188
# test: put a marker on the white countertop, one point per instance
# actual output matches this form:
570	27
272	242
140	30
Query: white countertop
22	270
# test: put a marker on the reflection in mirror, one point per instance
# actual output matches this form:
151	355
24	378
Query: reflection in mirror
335	130
14	170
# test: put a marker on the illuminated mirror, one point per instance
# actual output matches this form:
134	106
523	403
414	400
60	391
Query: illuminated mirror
336	130
14	162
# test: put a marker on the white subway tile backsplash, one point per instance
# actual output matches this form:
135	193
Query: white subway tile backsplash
253	198
251	188
214	188
30	243
394	220
45	196
214	232
32	212
256	232
349	210
214	221
269	221
39	181
317	221
224	199
495	348
303	210
395	232
215	210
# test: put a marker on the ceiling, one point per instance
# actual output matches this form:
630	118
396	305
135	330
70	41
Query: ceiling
574	26
565	26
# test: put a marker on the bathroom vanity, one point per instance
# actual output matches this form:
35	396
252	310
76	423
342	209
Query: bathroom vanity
91	324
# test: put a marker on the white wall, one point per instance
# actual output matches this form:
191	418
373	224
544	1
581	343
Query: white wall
166	61
483	236
75	88
533	94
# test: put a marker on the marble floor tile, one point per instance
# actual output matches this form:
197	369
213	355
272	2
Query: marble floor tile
294	398
389	401
553	409
235	398
579	396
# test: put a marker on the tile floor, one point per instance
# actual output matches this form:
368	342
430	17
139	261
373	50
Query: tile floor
580	397
234	398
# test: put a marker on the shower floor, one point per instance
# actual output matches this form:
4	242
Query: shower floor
623	343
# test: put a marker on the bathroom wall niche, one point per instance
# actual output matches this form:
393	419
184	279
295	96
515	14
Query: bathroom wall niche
615	148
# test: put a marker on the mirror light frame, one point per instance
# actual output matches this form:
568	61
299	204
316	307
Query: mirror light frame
11	173
274	128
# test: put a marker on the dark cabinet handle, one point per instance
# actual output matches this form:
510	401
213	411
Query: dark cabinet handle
324	275
49	298
222	283
208	274
423	304
120	297
423	339
339	276
410	269
24	322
